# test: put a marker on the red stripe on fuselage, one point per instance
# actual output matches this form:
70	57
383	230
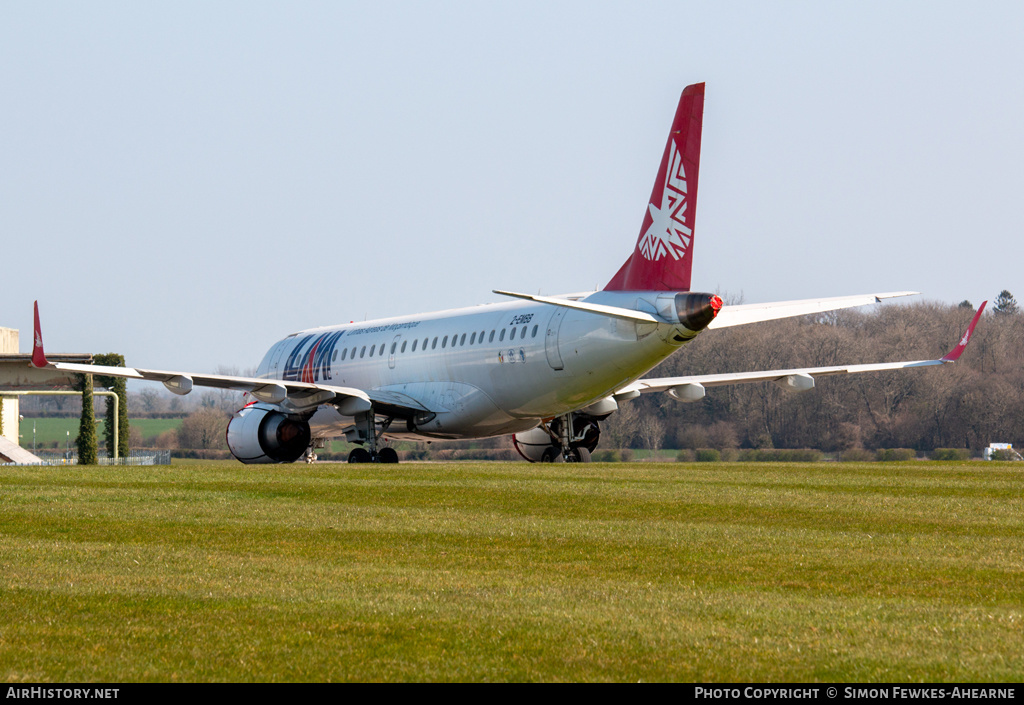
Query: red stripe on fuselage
307	371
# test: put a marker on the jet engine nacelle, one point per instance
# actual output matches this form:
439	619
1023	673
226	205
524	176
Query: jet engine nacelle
259	433
532	444
696	311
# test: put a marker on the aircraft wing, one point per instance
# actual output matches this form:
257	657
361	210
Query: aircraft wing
691	388
753	313
298	395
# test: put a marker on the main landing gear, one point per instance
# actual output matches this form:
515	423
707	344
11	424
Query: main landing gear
366	430
384	455
573	455
569	444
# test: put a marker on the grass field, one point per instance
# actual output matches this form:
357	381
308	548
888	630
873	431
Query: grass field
65	431
622	572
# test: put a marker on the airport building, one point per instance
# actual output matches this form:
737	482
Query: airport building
9	420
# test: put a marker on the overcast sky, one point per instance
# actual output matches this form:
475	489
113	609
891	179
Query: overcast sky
185	183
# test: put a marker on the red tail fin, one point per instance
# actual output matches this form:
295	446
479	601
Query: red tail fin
664	251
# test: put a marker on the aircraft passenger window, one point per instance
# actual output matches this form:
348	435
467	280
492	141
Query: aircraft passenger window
371	349
462	340
444	342
334	357
344	354
491	338
362	352
414	344
393	346
353	355
534	333
434	344
403	345
481	336
502	336
522	332
381	349
472	338
512	334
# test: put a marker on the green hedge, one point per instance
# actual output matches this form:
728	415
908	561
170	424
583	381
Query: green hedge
896	454
708	455
950	454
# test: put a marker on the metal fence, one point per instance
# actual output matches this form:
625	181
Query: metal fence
135	457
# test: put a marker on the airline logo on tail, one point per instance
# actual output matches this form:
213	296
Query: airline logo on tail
668	233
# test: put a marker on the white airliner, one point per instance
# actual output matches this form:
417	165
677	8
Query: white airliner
545	369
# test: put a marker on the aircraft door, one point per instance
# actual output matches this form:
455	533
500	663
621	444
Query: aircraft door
275	358
551	338
395	345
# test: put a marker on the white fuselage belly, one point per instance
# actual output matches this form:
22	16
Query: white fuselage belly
482	371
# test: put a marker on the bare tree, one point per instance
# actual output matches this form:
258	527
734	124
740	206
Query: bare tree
151	400
203	429
651	430
621	427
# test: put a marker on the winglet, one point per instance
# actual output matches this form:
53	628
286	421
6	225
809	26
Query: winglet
954	354
38	356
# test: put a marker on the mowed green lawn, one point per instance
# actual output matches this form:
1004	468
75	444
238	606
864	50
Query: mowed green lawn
682	572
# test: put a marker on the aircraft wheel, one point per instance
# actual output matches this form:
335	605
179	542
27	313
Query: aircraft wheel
552	455
359	455
387	455
579	455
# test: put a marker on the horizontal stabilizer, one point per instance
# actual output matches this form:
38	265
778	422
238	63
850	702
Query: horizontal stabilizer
754	313
600	309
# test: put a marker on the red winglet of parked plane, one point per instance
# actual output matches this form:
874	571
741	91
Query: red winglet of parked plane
38	356
953	354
